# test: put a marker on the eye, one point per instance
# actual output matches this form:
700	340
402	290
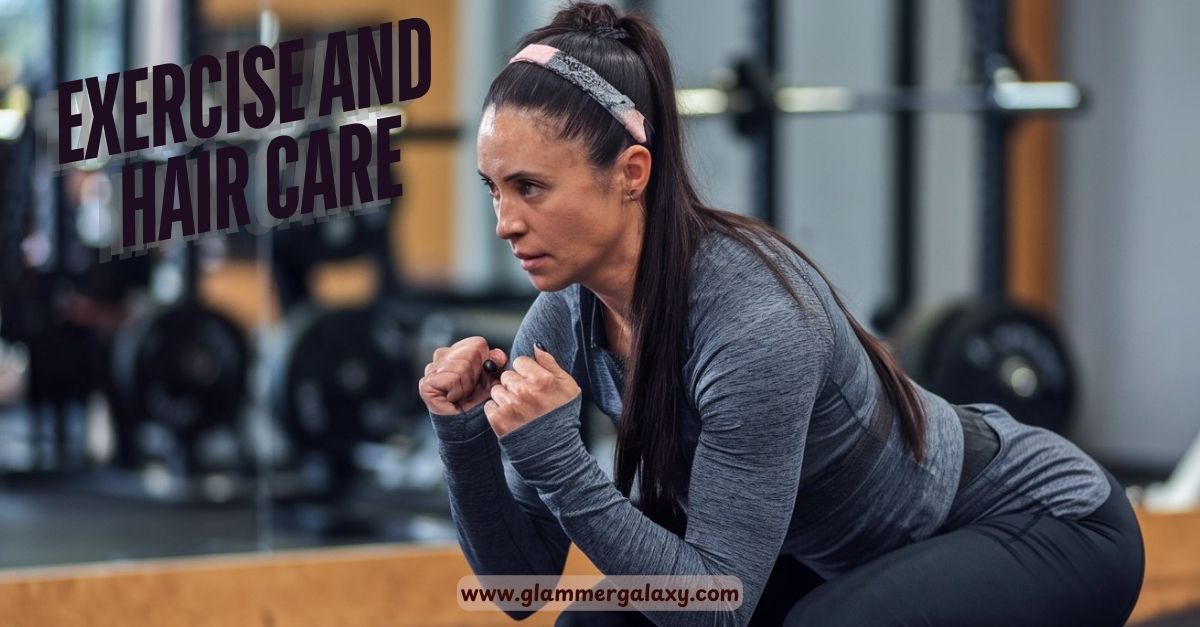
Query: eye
528	189
488	184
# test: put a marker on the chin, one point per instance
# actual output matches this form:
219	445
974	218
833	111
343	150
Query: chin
548	283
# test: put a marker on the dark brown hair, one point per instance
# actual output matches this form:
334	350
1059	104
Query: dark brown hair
629	53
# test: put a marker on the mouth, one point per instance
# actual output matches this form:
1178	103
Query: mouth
530	262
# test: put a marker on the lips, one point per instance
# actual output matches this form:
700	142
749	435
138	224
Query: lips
530	261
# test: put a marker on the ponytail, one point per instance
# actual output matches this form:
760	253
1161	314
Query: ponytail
629	52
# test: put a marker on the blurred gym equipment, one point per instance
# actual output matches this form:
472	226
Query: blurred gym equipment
987	349
346	379
750	93
180	376
995	352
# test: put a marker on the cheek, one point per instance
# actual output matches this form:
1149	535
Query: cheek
580	224
568	223
591	237
609	226
598	220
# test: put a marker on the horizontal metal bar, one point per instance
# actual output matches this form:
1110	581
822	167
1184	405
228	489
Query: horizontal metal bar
1015	96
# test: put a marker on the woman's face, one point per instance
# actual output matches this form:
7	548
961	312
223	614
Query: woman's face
569	221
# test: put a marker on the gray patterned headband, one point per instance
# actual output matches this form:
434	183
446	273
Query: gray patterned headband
574	70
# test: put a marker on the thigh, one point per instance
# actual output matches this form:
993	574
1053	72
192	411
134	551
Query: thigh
570	618
1025	570
788	583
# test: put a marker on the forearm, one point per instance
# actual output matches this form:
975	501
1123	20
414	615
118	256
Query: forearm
616	536
496	534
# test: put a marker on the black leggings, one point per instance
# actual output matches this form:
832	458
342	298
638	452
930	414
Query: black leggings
1015	569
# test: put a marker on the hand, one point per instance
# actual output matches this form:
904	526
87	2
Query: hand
531	389
455	381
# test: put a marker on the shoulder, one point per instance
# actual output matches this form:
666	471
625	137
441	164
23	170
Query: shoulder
552	319
721	260
750	337
564	301
733	286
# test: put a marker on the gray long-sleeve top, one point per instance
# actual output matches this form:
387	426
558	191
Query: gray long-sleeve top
783	396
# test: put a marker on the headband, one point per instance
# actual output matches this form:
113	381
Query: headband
574	70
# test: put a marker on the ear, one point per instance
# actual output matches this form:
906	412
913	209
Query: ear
633	168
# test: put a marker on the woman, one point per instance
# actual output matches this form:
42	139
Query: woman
772	437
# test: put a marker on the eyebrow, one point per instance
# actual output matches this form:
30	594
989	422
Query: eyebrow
519	174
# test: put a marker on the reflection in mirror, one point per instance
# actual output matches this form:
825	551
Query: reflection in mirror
252	389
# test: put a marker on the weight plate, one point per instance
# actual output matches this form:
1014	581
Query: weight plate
1003	354
184	368
347	377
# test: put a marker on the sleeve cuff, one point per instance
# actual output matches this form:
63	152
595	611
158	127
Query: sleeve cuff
551	430
460	427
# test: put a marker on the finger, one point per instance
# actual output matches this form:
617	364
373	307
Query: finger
546	360
498	357
511	378
464	375
470	379
475	341
501	395
458	365
527	366
471	346
493	366
436	385
468	349
448	385
491	409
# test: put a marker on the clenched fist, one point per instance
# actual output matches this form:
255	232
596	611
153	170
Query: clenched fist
533	387
455	381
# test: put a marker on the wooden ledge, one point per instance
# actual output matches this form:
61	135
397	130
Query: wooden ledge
393	586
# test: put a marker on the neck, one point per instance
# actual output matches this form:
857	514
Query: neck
612	282
616	305
616	297
618	336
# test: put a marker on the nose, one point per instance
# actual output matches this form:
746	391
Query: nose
508	221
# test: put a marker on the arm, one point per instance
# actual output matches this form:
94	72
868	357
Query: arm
761	361
503	527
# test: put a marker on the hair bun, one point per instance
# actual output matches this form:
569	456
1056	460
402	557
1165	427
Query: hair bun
601	19
611	32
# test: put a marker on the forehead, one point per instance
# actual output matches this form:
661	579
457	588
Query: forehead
515	139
